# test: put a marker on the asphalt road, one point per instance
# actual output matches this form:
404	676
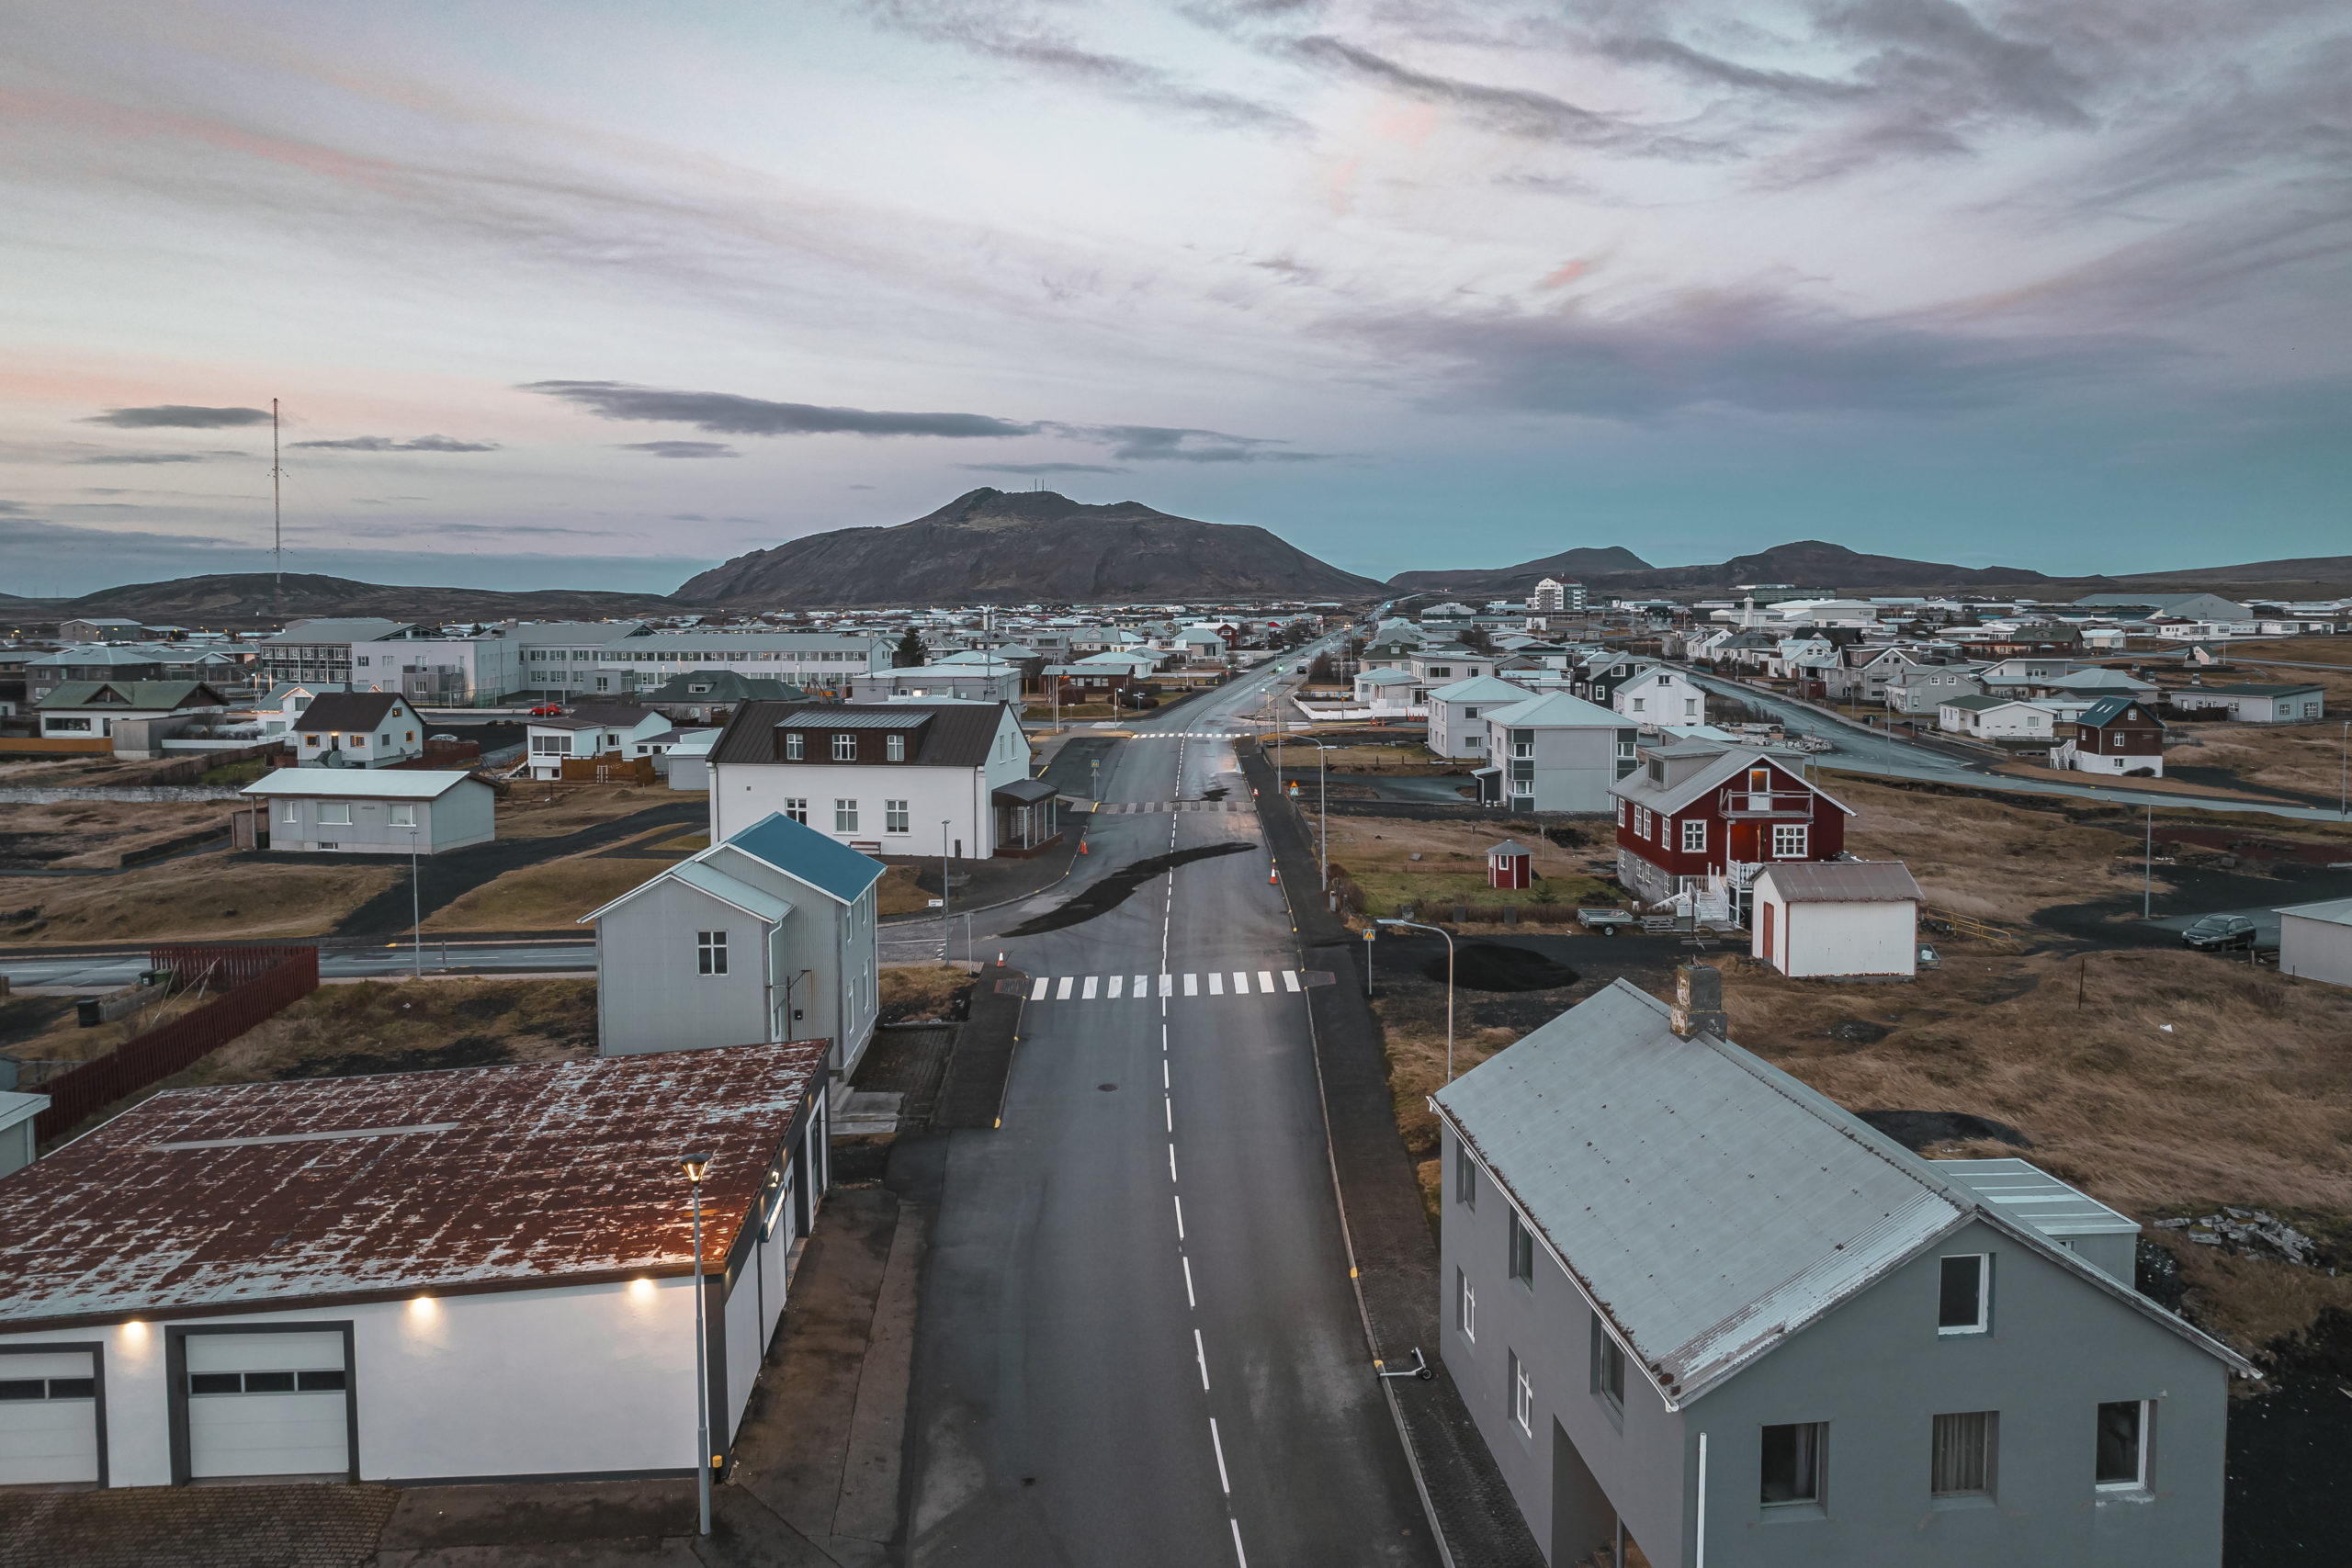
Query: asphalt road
104	971
1138	1342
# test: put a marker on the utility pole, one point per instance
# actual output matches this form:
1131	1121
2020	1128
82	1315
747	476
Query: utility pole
946	927
2148	864
277	525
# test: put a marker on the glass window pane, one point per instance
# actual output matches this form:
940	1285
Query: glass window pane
322	1383
1960	1298
20	1388
2119	1444
73	1387
212	1382
1962	1448
269	1382
1791	1468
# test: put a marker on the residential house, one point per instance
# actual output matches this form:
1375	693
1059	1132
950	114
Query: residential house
1553	752
2028	677
281	709
90	710
1699	1312
472	1275
591	731
2174	607
2314	942
1442	664
17	1149
1659	695
100	628
1455	728
385	811
769	934
2114	736
2045	640
1387	689
1924	688
1836	919
2095	683
44	672
813	661
1995	718
1792	654
357	729
320	649
1552	597
2253	703
891	778
979	680
1701	817
698	695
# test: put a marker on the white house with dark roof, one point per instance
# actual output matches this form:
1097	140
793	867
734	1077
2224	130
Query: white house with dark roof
1696	1308
480	1274
770	934
356	729
589	730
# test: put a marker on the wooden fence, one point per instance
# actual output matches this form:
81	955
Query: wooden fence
253	984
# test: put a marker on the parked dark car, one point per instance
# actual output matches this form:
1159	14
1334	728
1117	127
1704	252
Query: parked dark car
2215	933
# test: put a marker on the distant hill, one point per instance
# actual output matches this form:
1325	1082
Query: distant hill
246	598
1580	565
1807	563
2305	576
995	546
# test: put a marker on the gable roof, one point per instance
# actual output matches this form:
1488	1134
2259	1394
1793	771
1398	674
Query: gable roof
805	856
1481	689
1842	882
1670	798
734	891
361	783
341	628
600	715
1556	710
356	712
2107	710
960	734
160	696
1984	703
2255	689
1707	1203
723	686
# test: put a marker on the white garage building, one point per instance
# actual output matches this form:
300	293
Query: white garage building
2315	941
478	1274
1826	919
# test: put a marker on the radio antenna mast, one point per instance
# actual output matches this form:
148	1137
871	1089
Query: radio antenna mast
277	523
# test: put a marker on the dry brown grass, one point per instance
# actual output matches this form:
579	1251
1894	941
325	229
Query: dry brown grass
210	897
1376	854
899	894
43	1029
377	1026
81	833
550	897
912	991
541	810
2306	758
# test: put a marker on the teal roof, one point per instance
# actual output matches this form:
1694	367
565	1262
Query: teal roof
799	850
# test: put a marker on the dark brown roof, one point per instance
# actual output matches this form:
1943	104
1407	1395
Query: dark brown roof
251	1195
958	736
350	713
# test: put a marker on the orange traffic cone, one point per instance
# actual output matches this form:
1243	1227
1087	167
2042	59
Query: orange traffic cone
1272	877
1000	958
1082	846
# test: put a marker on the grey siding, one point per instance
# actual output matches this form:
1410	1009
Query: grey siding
465	814
650	994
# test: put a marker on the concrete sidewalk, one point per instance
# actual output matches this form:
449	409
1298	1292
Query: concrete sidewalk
814	1484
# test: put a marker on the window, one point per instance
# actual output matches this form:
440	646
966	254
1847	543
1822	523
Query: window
792	746
1690	707
844	748
2122	1444
1522	743
796	807
404	815
1963	1455
310	741
1788	841
359	742
293	812
1607	1367
1469	713
710	952
1641	821
1523	1251
1964	1295
845	817
894	815
1523	1397
1791	1468
1465	1176
334	813
1637	705
1465	1306
1694	836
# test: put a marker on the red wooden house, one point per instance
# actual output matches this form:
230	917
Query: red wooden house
1701	816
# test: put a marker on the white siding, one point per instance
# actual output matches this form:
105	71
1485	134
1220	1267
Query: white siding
2316	950
1824	940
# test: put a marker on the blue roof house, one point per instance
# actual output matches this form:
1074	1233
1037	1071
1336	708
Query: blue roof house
768	935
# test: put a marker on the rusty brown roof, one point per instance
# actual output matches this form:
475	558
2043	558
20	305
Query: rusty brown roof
250	1195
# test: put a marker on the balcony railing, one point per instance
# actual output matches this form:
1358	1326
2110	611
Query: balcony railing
1738	805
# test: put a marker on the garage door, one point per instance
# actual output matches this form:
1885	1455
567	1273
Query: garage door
48	1417
267	1404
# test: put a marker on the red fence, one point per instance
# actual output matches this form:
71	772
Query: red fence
249	984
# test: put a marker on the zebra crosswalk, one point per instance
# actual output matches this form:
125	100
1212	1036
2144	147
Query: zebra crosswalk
1151	987
1132	808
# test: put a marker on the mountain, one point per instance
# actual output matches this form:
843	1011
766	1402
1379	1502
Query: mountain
2305	577
246	598
994	546
1579	565
1807	563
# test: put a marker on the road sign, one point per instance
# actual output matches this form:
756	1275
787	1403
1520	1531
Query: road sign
936	903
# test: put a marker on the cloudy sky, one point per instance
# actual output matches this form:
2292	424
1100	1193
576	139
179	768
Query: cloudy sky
591	295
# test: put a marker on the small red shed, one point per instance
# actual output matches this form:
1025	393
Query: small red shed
1507	865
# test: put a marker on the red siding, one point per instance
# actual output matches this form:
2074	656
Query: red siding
1744	839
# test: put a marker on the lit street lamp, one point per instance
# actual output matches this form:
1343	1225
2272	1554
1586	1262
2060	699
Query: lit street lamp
695	1165
1441	930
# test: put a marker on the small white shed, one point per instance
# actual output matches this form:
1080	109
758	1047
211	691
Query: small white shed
1836	919
2315	942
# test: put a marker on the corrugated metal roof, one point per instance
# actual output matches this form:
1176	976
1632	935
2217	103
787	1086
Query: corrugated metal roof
1670	798
961	735
257	1195
1557	708
2335	911
731	889
800	852
1710	1204
360	784
846	718
1481	689
1842	882
2031	1196
339	629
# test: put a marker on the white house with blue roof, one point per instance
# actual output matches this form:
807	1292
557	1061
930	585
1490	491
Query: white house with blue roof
768	935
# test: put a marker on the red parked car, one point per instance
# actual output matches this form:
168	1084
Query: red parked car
547	710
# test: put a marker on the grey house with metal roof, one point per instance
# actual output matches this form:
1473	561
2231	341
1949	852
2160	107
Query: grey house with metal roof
1693	1305
768	935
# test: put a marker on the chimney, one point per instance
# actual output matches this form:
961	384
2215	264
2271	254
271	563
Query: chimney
1698	1000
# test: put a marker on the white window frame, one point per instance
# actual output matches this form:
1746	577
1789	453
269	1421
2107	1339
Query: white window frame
400	814
2147	1422
1523	1397
845	746
796	806
844	816
1983	1324
293	813
710	952
792	746
327	818
894	747
1791	841
1988	1439
895	815
1466	1305
1694	836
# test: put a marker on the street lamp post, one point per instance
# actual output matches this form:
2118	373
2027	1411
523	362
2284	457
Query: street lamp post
415	909
2343	772
695	1165
946	920
1415	925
